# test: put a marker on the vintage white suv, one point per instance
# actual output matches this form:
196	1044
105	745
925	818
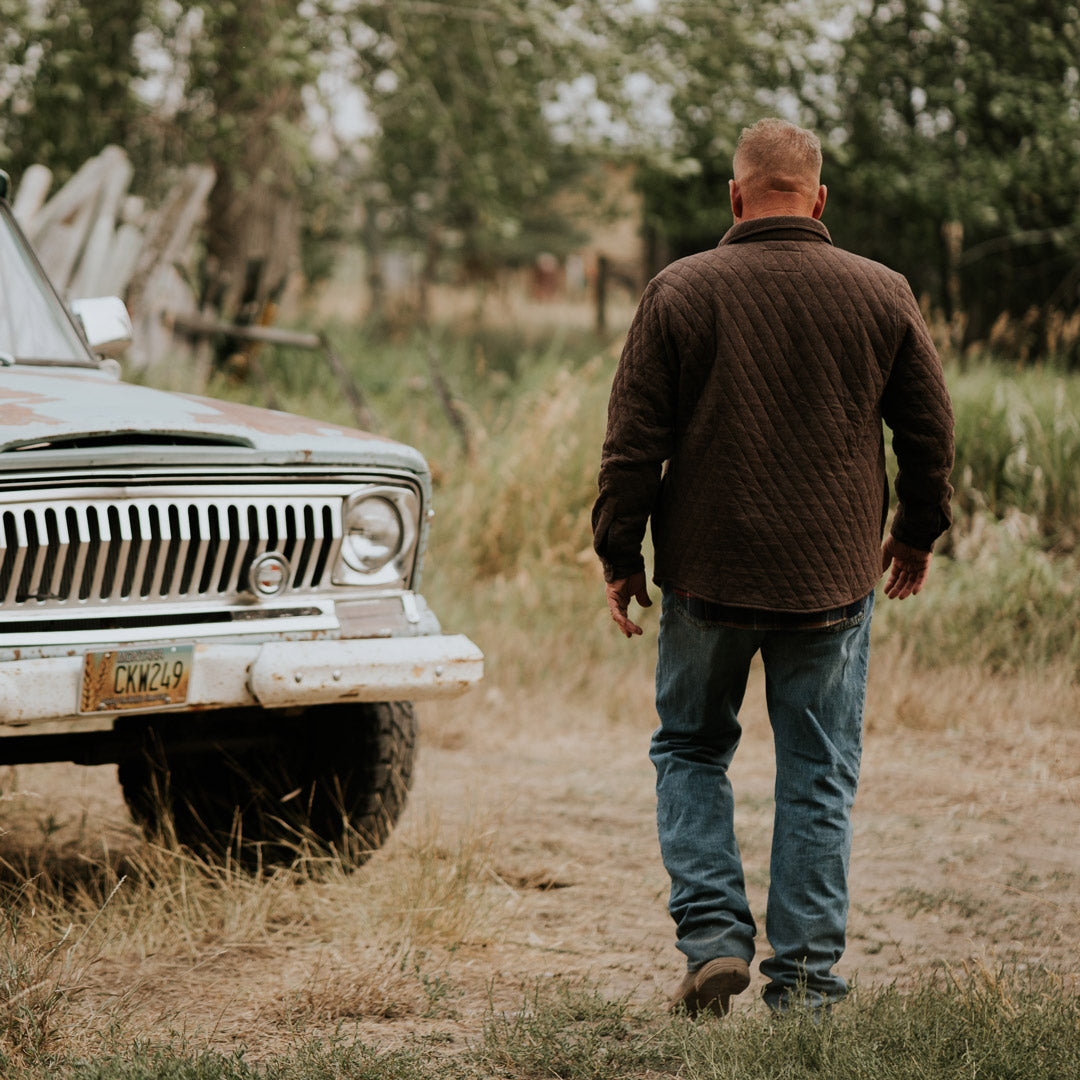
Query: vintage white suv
220	599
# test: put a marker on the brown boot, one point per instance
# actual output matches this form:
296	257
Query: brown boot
712	986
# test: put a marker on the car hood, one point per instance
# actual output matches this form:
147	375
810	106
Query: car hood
57	412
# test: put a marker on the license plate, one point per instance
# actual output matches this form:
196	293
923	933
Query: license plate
135	678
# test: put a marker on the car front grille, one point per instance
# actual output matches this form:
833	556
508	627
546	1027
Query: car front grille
98	551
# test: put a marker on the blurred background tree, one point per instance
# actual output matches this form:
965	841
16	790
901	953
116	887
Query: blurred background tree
237	73
67	75
466	160
951	127
955	154
718	66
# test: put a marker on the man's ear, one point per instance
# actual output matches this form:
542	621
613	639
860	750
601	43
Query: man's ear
819	202
736	200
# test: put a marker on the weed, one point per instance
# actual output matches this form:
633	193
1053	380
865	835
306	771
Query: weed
382	985
39	979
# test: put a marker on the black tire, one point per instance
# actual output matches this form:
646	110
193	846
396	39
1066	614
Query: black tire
268	788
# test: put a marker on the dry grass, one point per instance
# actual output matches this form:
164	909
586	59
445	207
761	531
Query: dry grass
104	942
435	886
375	983
527	858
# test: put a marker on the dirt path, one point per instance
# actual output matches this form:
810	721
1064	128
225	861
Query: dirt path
965	853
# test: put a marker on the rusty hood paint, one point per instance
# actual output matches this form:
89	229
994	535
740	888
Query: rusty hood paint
48	410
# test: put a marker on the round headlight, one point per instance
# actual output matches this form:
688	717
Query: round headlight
373	534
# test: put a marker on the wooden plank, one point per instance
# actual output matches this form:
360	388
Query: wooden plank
62	243
167	237
153	342
94	261
30	196
201	325
123	257
199	180
70	199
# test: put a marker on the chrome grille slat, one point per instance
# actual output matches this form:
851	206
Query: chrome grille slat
239	519
21	545
170	588
61	546
200	534
93	551
115	582
72	583
164	543
142	536
100	529
219	530
264	518
40	544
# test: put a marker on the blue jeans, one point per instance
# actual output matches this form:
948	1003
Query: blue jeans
815	691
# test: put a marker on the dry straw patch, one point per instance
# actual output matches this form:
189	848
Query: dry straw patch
374	983
432	884
153	939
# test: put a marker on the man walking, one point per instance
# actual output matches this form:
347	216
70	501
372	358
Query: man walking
746	421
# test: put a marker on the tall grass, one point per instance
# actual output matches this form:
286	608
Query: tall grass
65	911
998	601
1018	447
433	887
510	557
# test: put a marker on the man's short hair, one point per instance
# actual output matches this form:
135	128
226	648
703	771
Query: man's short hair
776	155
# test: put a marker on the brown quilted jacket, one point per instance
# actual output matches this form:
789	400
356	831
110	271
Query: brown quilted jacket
746	420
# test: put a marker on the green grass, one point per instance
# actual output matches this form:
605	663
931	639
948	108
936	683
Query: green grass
1018	446
1000	603
981	1024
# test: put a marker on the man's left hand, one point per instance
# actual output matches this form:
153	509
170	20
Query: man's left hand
619	594
908	566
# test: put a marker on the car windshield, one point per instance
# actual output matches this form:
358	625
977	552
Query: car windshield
33	325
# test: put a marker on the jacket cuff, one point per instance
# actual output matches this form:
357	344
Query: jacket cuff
922	539
621	571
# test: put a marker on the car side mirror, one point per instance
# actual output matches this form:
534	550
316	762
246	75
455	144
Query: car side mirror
105	323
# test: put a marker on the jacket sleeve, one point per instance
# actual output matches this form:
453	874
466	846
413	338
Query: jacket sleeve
917	409
640	435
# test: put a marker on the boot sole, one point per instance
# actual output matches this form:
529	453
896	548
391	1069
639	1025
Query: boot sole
714	985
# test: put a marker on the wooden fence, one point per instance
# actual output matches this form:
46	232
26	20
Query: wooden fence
96	239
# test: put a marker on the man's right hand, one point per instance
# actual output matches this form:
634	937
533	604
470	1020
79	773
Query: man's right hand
619	594
910	568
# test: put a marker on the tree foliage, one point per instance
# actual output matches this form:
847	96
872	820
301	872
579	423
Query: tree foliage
67	69
465	156
961	119
238	71
951	127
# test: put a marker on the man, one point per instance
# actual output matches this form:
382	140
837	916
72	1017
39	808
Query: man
746	420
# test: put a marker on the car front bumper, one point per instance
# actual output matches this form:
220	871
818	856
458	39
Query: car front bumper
43	695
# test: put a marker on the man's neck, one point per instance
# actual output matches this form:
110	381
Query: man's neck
775	202
779	207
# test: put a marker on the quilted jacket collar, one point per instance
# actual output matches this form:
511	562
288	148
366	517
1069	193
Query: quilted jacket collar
777	228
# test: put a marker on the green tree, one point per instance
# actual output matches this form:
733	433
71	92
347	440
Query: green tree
67	75
465	160
956	150
240	71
